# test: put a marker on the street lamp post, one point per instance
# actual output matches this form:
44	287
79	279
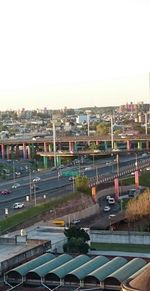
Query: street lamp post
34	189
146	123
54	143
96	175
117	158
136	162
112	133
30	182
14	175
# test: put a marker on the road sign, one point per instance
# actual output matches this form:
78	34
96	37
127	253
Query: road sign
70	173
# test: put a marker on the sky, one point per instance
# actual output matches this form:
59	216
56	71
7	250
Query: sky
74	53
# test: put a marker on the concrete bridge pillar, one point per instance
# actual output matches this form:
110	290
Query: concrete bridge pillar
58	161
45	161
29	151
75	147
50	147
128	145
115	145
105	145
17	151
8	152
71	146
147	145
24	151
139	145
3	151
45	147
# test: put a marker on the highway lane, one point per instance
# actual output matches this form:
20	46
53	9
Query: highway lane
50	181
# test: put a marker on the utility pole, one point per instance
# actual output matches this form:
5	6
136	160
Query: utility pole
54	143
146	123
34	189
14	175
112	133
30	183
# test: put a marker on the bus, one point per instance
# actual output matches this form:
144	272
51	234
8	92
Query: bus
59	222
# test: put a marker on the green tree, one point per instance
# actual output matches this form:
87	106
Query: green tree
77	240
103	128
81	183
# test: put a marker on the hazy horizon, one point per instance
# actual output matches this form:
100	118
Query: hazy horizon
73	54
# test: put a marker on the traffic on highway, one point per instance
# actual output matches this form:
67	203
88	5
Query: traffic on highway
51	182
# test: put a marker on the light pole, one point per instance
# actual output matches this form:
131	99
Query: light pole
30	182
96	174
146	123
34	189
112	133
88	124
117	158
14	176
54	143
136	162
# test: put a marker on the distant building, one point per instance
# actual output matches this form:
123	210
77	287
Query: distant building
82	118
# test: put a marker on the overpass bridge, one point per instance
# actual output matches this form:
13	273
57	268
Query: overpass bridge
68	146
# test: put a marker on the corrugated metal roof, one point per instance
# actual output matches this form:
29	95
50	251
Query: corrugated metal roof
88	267
41	271
23	269
102	272
61	271
139	271
126	271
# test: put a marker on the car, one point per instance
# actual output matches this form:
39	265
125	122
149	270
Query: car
108	197
148	169
144	155
107	208
5	192
18	205
88	168
17	174
36	179
111	200
108	163
75	221
61	166
15	186
71	178
112	216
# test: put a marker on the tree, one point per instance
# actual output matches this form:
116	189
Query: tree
77	240
81	183
138	208
103	128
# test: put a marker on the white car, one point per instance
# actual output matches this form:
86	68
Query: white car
108	197
15	186
18	205
107	208
71	178
88	168
36	179
111	200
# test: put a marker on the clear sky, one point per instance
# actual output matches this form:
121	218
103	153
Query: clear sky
74	53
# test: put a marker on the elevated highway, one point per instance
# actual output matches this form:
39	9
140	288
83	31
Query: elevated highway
28	148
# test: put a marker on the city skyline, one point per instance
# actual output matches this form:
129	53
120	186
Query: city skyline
74	54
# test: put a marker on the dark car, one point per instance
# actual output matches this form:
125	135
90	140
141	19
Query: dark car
5	192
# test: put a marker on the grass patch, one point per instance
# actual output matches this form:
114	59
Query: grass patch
121	247
144	179
19	218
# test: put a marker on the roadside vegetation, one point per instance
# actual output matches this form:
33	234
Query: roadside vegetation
144	179
120	247
30	215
